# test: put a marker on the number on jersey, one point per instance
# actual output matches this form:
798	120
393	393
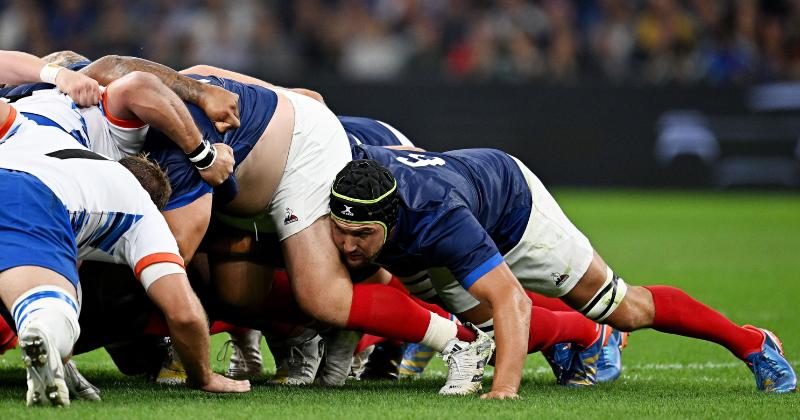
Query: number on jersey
418	161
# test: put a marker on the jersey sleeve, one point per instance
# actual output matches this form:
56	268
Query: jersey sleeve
149	242
186	182
457	240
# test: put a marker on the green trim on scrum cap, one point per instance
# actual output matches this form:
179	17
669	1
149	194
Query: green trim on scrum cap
369	222
372	201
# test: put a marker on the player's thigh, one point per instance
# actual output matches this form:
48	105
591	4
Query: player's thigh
241	282
18	280
319	280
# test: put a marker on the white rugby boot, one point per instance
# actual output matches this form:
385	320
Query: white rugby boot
339	348
46	385
246	359
297	359
465	363
359	364
78	386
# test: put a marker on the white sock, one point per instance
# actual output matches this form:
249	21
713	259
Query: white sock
440	331
52	310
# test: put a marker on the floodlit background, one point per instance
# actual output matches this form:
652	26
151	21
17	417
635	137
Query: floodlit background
587	92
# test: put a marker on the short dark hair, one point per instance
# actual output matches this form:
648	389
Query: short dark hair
152	178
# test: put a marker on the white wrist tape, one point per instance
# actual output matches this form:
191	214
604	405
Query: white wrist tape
154	272
49	72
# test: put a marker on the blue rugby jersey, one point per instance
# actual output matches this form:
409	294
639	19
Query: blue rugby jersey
362	130
461	210
256	108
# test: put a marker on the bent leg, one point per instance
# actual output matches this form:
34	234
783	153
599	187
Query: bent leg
663	308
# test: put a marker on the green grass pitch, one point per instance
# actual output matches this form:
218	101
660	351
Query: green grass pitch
738	252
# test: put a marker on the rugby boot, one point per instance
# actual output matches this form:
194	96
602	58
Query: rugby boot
772	371
609	367
46	385
360	361
172	371
246	359
415	358
560	357
338	358
301	357
465	363
78	386
583	371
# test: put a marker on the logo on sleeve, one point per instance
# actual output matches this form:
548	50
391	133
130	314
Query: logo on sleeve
290	217
347	210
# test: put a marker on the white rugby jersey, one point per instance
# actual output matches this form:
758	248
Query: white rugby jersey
112	216
92	126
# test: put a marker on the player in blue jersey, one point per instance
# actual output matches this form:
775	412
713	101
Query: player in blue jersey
490	222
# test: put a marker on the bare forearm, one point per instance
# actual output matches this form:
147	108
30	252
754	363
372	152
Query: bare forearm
18	67
192	343
160	107
112	67
512	326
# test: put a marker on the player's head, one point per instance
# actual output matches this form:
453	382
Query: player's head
364	206
152	178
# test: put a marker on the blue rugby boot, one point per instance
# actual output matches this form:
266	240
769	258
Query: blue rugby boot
583	371
772	371
609	367
560	357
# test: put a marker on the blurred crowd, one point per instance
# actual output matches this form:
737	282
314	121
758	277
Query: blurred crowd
647	42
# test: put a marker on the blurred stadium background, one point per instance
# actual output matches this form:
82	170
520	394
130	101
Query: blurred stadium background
587	92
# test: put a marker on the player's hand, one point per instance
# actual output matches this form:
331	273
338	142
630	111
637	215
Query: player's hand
220	384
83	90
500	394
222	167
221	107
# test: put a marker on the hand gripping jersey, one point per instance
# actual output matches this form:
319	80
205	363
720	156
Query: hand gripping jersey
93	127
81	203
461	210
256	107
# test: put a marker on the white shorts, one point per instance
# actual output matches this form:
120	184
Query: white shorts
550	258
319	150
552	255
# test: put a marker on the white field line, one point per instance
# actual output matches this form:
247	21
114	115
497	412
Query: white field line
626	369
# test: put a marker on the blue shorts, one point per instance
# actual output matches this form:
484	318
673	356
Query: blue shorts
368	131
35	228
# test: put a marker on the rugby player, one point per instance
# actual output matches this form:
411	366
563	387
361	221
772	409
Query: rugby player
63	203
490	222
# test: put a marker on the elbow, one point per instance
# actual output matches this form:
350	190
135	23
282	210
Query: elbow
522	302
185	319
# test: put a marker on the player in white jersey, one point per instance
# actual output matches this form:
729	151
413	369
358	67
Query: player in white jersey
117	126
63	203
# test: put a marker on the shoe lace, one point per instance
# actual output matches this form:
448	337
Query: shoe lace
453	365
227	346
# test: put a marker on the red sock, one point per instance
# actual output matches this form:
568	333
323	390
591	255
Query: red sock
386	312
549	328
553	304
8	340
462	333
157	326
677	313
397	284
366	341
281	304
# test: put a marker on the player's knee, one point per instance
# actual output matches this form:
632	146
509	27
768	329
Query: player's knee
332	307
635	312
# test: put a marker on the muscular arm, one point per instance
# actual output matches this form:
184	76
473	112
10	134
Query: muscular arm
64	58
511	309
189	224
220	105
188	328
207	70
142	96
